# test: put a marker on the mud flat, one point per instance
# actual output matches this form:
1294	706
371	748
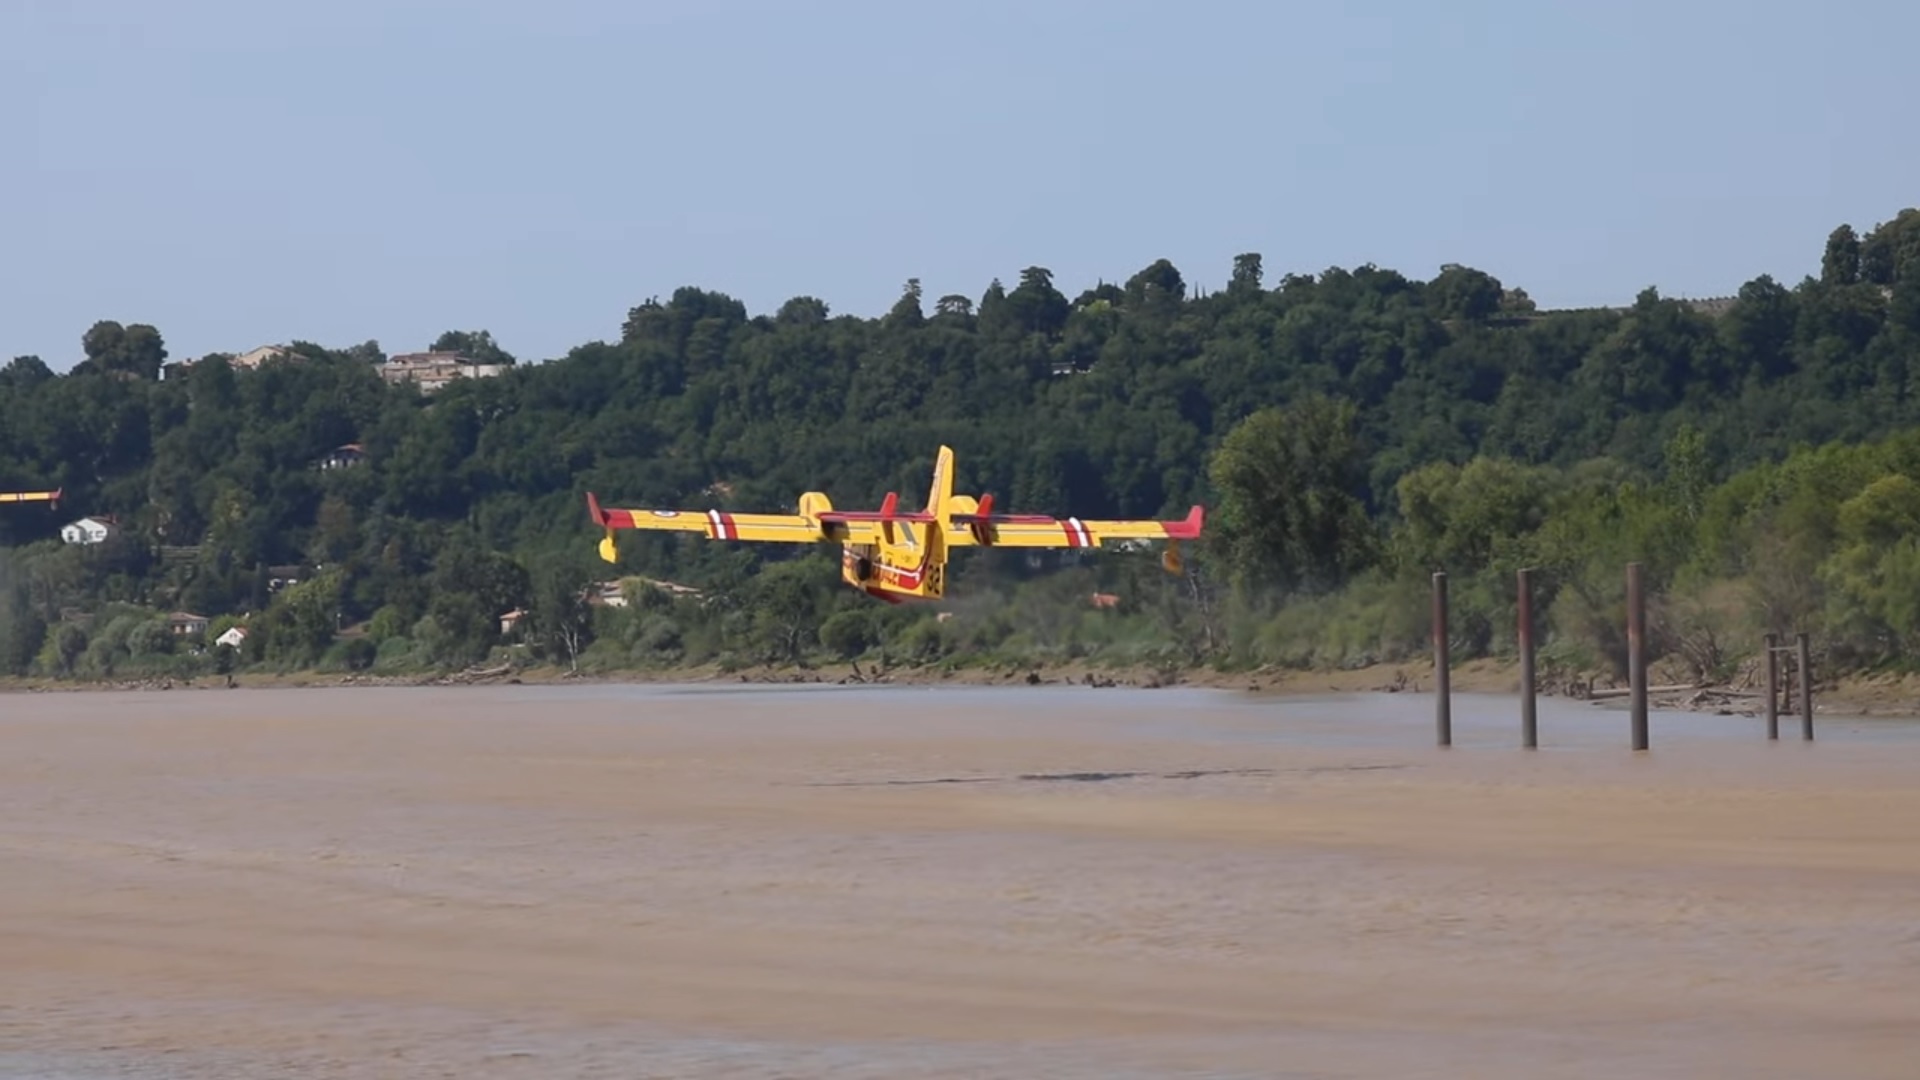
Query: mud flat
625	881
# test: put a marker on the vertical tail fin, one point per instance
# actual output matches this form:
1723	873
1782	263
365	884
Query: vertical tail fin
941	492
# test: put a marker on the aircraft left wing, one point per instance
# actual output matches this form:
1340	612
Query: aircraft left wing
724	525
30	496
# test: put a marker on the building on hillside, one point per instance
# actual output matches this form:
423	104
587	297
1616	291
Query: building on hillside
614	593
254	357
233	638
1712	306
186	624
511	621
606	594
433	370
90	530
341	457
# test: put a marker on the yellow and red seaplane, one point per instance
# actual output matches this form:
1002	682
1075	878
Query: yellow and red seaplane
899	554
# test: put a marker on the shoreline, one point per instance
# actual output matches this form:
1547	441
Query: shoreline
1895	696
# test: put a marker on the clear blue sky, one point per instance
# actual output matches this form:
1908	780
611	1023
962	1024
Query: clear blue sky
239	173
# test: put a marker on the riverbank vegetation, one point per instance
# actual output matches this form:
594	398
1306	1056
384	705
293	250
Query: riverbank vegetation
1351	431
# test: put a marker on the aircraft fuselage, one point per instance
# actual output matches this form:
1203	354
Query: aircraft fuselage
912	567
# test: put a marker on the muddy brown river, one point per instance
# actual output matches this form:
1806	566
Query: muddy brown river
615	881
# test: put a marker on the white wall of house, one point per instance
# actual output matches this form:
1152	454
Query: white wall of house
86	531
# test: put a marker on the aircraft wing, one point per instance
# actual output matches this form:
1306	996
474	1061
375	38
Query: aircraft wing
724	525
1036	530
29	496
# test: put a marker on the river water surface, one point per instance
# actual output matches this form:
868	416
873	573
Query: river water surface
714	881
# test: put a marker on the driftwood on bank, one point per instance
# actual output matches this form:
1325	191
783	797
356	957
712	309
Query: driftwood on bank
473	674
1723	700
1618	692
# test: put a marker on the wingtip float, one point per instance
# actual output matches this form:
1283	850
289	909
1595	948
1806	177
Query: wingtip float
896	554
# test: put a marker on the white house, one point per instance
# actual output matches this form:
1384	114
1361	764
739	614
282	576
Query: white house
186	622
89	530
233	638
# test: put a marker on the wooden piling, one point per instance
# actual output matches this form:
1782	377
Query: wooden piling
1529	718
1637	652
1442	683
1806	687
1773	686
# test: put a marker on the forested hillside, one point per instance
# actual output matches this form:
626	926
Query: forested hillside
1351	429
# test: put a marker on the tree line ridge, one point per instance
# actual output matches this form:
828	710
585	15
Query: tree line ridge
1355	429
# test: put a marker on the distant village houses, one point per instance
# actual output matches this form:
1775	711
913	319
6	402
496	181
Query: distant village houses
253	358
433	370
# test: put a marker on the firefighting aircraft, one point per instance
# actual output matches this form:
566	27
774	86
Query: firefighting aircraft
901	555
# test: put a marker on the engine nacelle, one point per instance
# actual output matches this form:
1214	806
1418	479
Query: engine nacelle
812	505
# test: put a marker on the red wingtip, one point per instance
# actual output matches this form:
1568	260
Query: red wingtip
593	509
890	505
1188	529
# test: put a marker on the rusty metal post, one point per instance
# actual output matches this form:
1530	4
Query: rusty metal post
1806	687
1529	719
1442	683
1773	686
1637	653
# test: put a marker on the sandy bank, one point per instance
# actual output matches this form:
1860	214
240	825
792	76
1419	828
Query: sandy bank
1852	695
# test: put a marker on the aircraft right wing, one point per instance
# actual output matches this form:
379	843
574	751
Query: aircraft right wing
31	496
978	525
988	529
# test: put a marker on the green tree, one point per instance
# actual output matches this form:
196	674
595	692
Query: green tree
786	607
475	345
1291	510
1689	470
1841	263
1466	518
1461	292
135	350
562	620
